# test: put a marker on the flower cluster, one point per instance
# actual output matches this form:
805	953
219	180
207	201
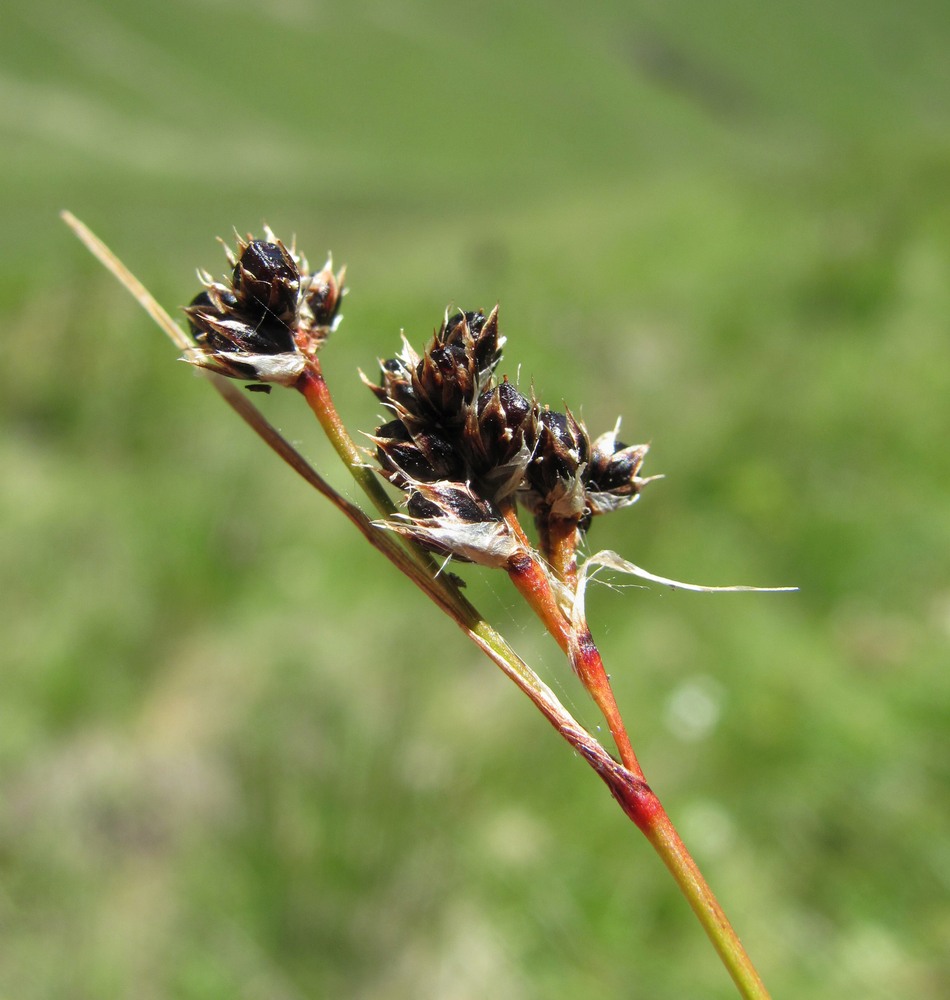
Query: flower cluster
268	318
467	447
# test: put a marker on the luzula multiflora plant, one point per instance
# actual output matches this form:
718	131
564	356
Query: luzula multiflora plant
465	451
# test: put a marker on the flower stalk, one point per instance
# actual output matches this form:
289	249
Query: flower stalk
466	450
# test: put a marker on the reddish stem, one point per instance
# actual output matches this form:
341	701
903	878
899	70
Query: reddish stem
314	389
529	576
561	536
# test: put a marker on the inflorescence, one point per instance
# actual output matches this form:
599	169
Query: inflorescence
263	323
464	446
466	449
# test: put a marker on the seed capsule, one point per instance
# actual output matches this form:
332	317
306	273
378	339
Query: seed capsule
502	413
266	282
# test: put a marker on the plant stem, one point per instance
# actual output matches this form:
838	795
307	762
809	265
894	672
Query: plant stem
560	535
315	391
667	843
641	803
530	578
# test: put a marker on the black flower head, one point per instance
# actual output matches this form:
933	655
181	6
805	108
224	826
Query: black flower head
553	479
612	476
318	312
458	366
452	423
261	324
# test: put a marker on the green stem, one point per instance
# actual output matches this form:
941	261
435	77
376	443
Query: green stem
667	843
315	391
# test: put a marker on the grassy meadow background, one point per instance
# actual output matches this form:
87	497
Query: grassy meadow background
239	757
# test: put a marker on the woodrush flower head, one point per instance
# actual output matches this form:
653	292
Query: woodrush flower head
263	323
451	424
458	440
611	478
318	305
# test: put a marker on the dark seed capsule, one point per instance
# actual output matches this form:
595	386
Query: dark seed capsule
402	460
395	430
502	415
442	456
515	406
266	279
270	336
614	472
324	299
487	352
457	324
556	425
465	507
204	305
395	386
266	262
422	509
200	303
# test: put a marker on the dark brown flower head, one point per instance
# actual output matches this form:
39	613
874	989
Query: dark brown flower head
454	424
457	367
262	323
612	476
436	389
553	479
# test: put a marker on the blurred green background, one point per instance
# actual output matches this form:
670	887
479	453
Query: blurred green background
239	757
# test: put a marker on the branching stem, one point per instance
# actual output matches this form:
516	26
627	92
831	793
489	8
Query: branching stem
532	579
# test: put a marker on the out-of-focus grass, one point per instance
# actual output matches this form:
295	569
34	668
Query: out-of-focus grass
237	757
